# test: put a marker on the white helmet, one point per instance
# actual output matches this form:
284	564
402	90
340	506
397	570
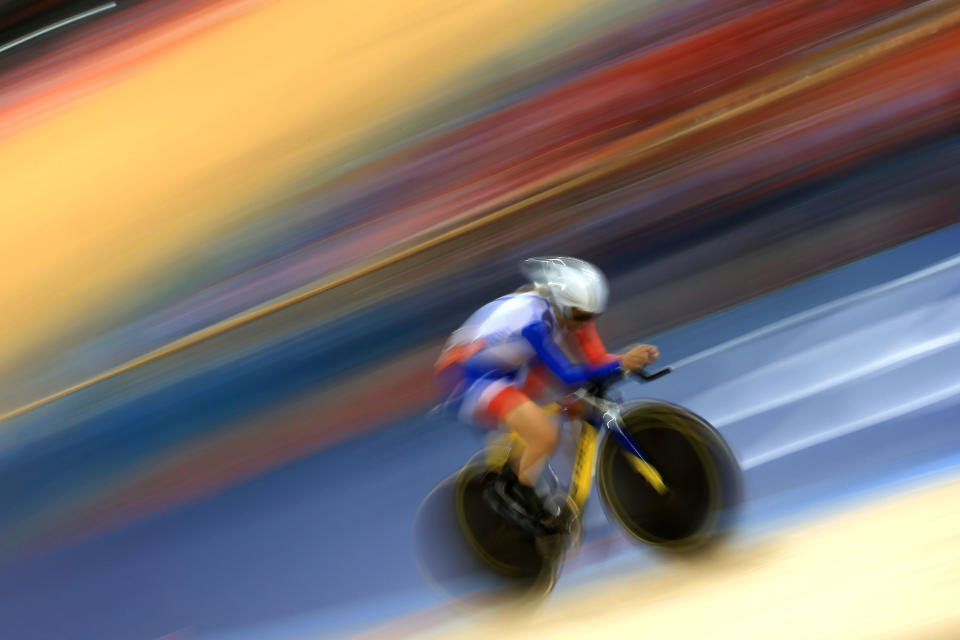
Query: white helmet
569	282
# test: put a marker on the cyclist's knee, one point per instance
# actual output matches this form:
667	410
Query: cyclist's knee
535	426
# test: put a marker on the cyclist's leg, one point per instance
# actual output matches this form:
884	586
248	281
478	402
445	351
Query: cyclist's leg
540	434
503	403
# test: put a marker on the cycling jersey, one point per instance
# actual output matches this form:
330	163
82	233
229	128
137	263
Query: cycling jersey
513	350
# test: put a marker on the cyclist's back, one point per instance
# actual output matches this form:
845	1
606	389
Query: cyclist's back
494	334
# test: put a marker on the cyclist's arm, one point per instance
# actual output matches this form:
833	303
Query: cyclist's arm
592	345
540	337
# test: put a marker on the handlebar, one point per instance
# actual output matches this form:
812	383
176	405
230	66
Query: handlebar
647	376
599	388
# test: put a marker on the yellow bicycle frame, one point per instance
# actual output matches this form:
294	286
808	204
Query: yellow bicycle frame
581	477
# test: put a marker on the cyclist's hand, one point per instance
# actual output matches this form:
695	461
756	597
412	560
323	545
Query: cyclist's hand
639	356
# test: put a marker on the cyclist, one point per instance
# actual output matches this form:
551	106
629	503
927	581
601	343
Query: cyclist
525	349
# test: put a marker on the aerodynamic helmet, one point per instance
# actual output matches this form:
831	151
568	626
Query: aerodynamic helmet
570	283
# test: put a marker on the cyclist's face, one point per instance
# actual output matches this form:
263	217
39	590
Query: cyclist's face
576	318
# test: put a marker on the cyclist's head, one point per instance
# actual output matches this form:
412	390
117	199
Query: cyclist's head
575	287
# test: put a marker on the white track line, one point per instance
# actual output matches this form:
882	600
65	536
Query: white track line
939	267
57	25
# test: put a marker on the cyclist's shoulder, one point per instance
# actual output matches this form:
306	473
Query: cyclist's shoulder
510	315
527	308
522	303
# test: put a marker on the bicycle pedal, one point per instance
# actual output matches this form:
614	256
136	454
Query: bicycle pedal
529	525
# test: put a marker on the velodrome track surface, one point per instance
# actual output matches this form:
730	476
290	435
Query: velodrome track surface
837	387
884	569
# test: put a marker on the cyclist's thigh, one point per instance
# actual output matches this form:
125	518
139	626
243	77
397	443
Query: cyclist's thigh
532	423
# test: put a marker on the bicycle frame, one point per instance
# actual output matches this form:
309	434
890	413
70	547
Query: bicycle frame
604	415
681	518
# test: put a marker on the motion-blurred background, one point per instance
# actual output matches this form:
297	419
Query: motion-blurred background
235	234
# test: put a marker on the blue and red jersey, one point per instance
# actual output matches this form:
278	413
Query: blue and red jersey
512	350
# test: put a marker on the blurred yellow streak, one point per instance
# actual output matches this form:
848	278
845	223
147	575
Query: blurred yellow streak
99	199
888	570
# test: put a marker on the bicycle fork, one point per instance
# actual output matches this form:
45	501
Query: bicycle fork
638	462
607	414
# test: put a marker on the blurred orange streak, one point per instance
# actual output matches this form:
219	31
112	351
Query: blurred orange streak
116	46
